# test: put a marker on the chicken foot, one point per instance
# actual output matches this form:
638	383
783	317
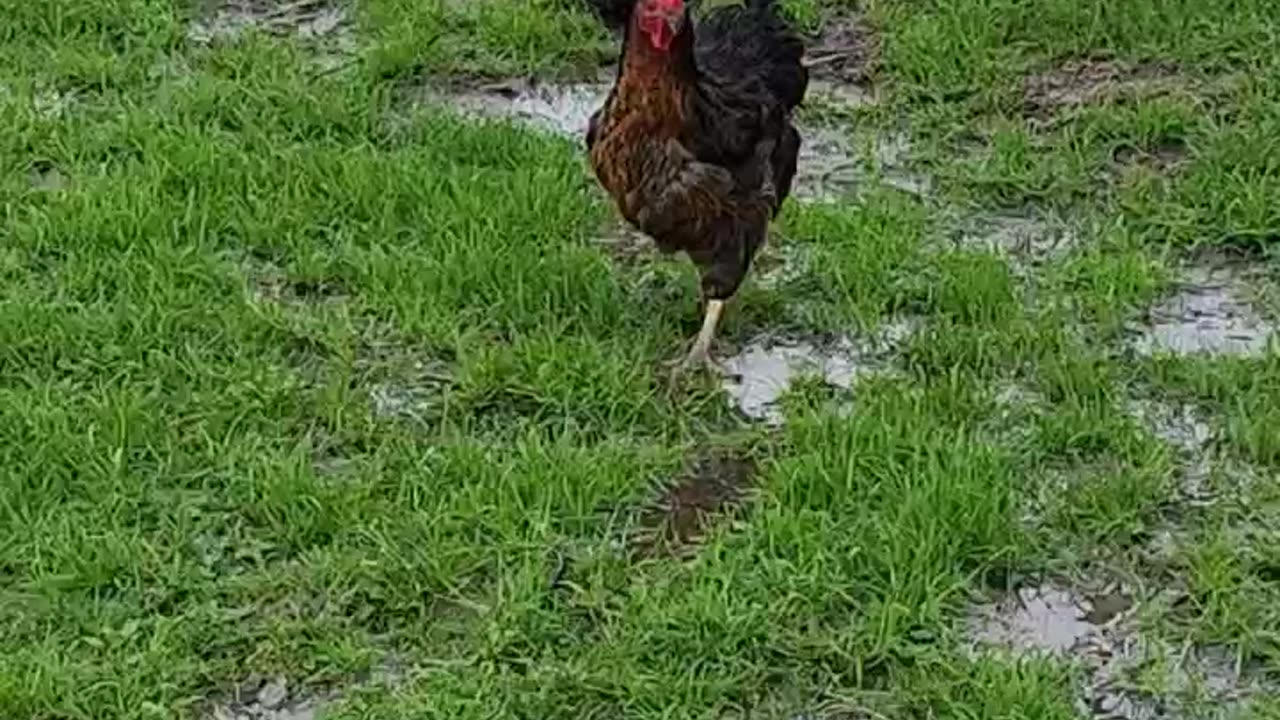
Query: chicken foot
700	353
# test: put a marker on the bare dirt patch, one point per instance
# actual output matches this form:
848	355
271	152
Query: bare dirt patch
1097	630
717	484
1077	83
764	369
228	19
1212	311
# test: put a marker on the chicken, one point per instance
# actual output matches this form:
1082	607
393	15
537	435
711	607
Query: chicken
695	141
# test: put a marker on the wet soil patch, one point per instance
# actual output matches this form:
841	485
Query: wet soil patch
260	698
308	19
1076	83
1162	158
717	483
1026	236
832	165
845	51
273	699
404	382
1211	311
1190	438
270	283
1098	631
762	371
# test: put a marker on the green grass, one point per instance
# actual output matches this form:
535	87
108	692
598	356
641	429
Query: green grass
297	378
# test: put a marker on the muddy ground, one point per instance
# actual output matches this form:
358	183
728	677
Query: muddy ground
1211	310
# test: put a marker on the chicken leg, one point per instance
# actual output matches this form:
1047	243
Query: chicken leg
700	353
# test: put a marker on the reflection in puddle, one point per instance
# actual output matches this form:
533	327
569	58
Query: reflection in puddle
1210	313
763	370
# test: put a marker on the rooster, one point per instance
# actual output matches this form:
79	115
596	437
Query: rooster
695	141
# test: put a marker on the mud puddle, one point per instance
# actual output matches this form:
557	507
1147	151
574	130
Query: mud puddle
830	163
1049	619
1098	631
1211	312
309	19
761	372
716	485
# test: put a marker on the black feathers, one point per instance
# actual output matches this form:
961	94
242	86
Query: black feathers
615	14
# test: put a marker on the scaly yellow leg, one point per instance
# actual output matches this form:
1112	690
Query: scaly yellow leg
700	353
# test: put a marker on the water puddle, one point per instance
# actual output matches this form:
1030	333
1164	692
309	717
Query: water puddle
1162	157
1098	631
1048	619
404	381
839	94
1211	312
762	372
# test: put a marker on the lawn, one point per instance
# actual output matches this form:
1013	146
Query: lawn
322	398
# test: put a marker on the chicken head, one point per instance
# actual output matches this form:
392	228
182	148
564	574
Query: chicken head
661	21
